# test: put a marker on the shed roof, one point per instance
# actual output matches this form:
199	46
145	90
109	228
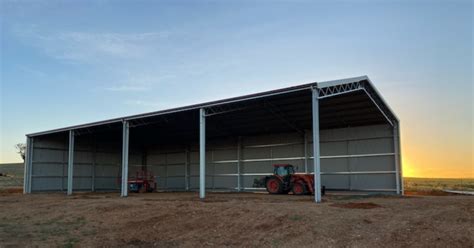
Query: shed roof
345	102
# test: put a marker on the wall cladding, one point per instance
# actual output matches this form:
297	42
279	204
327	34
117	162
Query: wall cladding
49	164
359	158
96	165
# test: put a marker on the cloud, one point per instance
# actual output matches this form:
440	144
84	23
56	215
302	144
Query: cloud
91	47
137	82
127	88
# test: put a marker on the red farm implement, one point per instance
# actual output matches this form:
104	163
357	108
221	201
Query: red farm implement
142	182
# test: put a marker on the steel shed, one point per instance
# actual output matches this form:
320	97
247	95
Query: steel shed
342	131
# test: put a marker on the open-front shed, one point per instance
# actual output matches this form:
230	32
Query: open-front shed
342	131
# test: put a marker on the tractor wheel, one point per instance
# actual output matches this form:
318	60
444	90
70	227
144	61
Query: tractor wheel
274	186
299	188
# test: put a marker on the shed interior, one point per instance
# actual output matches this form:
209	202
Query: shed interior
244	137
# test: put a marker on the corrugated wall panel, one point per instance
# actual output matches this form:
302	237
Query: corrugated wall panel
227	168
373	182
49	163
382	163
258	154
340	182
46	183
382	145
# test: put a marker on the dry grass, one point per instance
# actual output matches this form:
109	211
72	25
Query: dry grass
11	176
427	184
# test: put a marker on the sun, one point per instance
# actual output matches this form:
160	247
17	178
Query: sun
408	169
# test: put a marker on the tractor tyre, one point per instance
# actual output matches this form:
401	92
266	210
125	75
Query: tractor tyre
299	188
274	185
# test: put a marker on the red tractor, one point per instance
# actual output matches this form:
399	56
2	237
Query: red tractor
284	180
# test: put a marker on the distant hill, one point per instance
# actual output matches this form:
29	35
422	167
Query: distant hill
11	175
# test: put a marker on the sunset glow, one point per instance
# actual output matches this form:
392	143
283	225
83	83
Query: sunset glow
74	62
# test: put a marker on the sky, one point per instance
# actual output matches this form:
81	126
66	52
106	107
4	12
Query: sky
70	62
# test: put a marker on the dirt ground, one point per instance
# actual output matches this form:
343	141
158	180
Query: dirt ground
234	219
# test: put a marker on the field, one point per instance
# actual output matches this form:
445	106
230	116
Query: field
11	176
245	219
426	217
438	184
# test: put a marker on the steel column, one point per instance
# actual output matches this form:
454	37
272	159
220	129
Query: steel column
30	166
316	152
400	160
202	153
27	166
70	163
396	147
125	140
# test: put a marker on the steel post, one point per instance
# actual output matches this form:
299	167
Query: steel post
125	144
316	151
30	164
202	153
400	160
26	175
396	146
70	163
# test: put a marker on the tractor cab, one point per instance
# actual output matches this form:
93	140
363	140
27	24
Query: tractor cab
283	170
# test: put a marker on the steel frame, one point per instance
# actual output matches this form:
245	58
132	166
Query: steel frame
28	166
125	150
329	88
400	165
70	164
397	153
339	89
181	109
202	153
319	91
316	150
